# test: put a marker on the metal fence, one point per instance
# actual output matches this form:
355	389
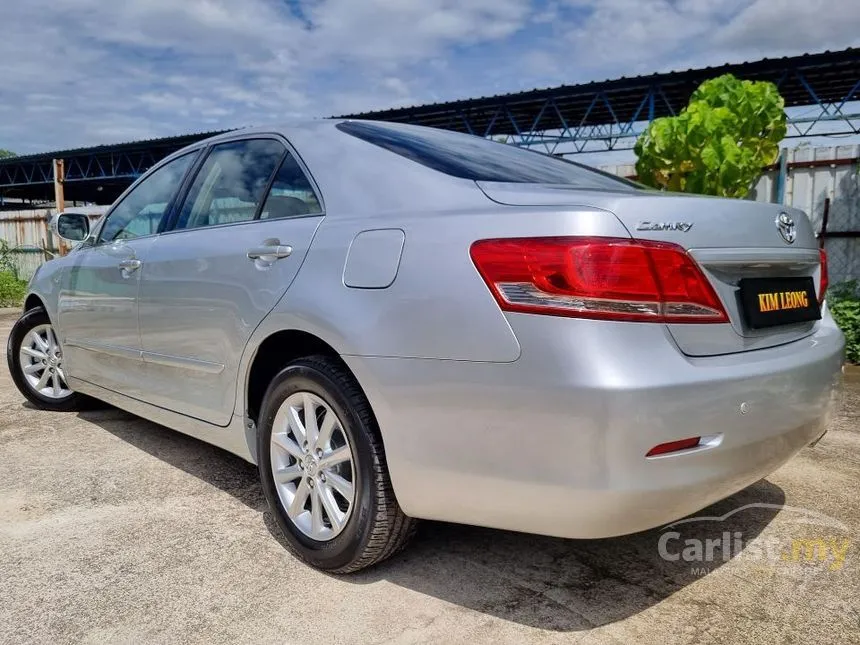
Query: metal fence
825	184
28	238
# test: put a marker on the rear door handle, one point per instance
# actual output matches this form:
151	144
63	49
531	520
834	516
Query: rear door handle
270	252
129	266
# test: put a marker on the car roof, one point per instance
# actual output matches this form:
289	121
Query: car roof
355	176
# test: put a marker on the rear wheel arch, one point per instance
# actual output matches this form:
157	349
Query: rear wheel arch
273	354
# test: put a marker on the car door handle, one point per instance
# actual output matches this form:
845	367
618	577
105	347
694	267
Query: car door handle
128	266
270	252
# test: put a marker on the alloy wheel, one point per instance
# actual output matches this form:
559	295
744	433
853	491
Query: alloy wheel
41	363
313	466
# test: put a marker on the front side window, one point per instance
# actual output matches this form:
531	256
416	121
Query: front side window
140	212
231	183
471	157
291	195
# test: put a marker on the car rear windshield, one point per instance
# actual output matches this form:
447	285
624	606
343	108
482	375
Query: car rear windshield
471	157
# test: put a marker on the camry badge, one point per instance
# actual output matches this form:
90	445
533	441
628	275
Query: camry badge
664	226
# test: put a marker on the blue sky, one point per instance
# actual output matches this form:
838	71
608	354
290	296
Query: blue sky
85	72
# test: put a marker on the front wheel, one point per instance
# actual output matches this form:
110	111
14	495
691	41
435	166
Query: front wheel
323	469
35	360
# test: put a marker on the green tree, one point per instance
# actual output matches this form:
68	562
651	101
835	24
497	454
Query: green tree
719	143
6	153
843	300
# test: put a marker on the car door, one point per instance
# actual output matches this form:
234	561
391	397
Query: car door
235	246
97	312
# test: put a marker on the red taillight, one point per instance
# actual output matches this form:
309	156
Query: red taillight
673	446
825	279
597	277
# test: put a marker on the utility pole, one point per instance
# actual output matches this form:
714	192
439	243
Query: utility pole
59	198
59	177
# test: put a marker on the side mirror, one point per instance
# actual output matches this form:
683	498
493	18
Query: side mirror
72	227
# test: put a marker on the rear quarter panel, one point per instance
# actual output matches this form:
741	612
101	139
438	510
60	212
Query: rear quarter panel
438	306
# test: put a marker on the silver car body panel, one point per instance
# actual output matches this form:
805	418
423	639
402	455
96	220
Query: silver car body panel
555	442
97	305
519	421
200	298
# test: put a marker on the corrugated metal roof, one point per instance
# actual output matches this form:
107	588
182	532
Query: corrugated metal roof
182	139
832	75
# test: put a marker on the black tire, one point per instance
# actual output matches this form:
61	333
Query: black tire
377	528
28	321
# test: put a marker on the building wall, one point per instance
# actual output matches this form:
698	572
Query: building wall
26	235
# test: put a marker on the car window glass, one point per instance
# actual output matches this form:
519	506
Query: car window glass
231	183
140	212
291	195
479	159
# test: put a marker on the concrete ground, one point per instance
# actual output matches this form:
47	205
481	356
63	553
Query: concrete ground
114	529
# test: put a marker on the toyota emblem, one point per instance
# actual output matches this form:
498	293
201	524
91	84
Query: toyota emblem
786	227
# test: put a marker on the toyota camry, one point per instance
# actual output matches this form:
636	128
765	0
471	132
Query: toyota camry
396	322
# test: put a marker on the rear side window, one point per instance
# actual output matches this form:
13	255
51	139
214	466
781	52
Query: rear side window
291	195
471	157
231	183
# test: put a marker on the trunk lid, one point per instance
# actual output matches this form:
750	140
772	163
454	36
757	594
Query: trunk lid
730	239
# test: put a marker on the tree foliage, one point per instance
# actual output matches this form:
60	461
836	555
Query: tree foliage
6	153
719	143
844	302
12	288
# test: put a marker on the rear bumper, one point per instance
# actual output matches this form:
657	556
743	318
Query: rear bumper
554	443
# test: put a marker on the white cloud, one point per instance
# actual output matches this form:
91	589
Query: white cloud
82	72
634	33
611	38
779	27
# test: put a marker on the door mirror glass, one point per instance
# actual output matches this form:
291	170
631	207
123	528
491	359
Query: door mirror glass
72	227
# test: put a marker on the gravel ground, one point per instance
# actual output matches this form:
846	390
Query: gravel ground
114	529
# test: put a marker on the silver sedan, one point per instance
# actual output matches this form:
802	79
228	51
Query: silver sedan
398	322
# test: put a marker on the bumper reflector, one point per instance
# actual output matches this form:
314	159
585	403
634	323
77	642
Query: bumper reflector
673	446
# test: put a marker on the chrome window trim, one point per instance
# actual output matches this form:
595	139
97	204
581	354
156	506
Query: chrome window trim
248	222
290	149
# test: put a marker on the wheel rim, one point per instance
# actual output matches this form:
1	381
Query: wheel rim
41	361
313	466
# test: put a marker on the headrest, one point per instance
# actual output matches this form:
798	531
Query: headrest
278	206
